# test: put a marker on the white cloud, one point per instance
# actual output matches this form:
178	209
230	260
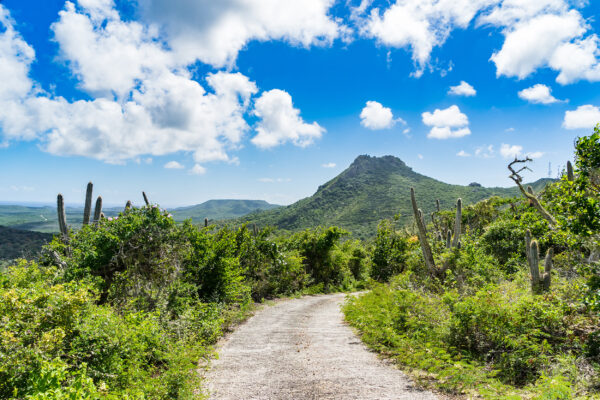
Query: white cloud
584	117
419	25
146	106
535	154
280	122
420	156
447	123
197	169
464	89
544	34
539	94
485	151
511	129
328	165
537	33
375	116
463	153
510	151
173	165
215	31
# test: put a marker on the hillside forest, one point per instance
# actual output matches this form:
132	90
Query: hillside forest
494	299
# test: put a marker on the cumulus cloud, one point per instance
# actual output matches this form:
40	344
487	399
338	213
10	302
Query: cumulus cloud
510	151
173	165
328	165
197	169
544	34
144	100
375	116
539	94
280	122
215	31
537	33
584	117
485	151
418	25
446	123
463	153
464	89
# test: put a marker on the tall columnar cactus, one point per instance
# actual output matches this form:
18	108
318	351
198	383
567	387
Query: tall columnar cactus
205	222
145	198
437	205
457	223
448	239
528	245
127	206
87	210
425	248
98	209
570	173
62	217
540	282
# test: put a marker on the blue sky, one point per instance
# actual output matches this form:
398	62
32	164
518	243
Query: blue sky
195	100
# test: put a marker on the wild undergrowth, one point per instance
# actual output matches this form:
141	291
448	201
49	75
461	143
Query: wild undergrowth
483	327
126	308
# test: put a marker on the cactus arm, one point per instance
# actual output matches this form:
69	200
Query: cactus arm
534	261
570	173
62	217
528	245
448	239
145	198
547	269
457	223
425	248
98	209
87	210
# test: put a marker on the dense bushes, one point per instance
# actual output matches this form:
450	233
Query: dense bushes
125	308
478	328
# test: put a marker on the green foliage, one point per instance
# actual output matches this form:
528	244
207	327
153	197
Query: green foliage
322	256
390	252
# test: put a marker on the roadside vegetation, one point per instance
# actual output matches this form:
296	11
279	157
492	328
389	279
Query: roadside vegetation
126	306
490	317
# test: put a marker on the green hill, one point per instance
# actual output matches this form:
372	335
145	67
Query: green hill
44	218
16	243
220	209
370	189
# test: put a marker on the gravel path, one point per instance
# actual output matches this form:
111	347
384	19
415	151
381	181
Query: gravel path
300	349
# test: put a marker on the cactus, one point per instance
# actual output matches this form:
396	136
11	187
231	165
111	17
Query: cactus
145	198
102	216
528	245
127	206
425	248
62	217
88	204
437	205
254	230
98	209
448	239
423	220
205	222
457	223
570	173
540	282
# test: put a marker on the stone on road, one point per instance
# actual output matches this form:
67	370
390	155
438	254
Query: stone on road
301	349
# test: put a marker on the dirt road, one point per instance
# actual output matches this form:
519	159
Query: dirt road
300	349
